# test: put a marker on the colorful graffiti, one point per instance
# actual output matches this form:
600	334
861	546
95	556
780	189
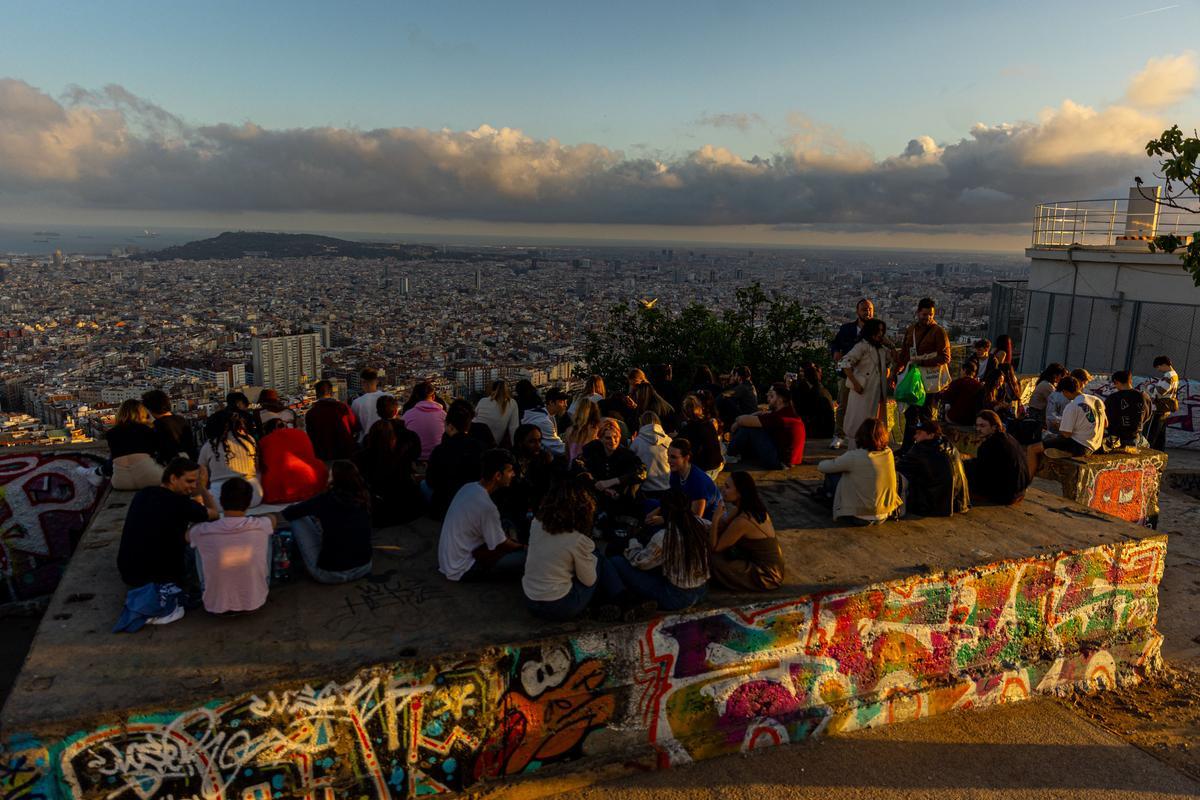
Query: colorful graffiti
1123	485
680	688
46	500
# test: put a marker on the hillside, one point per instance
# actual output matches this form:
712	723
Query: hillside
232	245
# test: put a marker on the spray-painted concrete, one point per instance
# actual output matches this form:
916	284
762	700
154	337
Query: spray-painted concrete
1122	484
874	626
46	501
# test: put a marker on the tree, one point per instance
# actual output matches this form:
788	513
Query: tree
1178	154
771	334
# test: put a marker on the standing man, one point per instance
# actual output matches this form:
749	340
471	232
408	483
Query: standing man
364	407
925	345
847	336
1164	393
330	424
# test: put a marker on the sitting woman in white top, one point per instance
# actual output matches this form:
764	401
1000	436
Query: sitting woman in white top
564	570
861	483
500	413
672	568
232	453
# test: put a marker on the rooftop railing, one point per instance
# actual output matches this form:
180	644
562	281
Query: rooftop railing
1117	223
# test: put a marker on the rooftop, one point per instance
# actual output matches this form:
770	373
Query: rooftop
77	670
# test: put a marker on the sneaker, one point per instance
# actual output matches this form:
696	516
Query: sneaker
167	619
837	443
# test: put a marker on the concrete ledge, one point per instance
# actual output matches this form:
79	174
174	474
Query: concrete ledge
1122	484
676	689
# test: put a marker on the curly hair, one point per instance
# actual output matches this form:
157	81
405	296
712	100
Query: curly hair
568	507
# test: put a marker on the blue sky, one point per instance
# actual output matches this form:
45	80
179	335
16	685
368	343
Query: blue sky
634	77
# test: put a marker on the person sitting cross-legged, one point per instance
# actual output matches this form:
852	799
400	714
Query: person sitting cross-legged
153	546
473	545
771	439
333	529
1080	431
862	482
564	570
999	472
615	472
935	482
672	568
746	556
234	552
696	486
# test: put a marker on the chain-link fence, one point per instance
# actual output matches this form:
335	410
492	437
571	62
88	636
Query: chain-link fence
1100	334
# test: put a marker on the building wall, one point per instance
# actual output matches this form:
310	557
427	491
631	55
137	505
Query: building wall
45	505
282	362
670	691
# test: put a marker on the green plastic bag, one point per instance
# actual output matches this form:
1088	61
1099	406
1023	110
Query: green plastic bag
911	388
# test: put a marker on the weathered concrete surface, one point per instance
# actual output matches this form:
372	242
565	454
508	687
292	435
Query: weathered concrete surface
1125	485
406	684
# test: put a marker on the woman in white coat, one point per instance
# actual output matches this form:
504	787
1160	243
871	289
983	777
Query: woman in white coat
867	366
499	412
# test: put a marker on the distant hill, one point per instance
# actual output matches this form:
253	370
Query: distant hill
232	245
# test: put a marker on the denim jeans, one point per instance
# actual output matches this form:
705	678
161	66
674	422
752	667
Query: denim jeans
652	584
607	587
308	535
509	565
755	444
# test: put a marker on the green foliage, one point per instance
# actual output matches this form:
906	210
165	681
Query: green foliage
772	335
1179	154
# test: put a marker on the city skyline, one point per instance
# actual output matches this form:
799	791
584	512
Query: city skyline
855	126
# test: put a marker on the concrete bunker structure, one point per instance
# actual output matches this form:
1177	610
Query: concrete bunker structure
404	685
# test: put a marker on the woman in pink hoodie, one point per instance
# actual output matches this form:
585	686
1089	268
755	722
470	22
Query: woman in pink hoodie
427	418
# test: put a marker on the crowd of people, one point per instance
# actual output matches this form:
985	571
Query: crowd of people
608	502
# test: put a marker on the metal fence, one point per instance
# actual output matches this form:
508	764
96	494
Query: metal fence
1100	334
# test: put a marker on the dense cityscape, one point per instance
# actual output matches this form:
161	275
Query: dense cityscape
85	332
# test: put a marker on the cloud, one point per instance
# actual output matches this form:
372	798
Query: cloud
1164	82
743	122
110	149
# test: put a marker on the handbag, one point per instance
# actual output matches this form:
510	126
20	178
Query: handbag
936	378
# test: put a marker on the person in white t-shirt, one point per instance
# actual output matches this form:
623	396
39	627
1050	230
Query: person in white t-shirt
1164	394
1081	430
473	544
364	407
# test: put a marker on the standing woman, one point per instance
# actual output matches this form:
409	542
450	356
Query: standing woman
672	568
499	412
866	367
746	555
132	444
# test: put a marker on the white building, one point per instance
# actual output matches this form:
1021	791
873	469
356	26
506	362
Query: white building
1097	297
284	362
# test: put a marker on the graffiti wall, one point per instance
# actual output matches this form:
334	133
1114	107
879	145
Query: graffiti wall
673	690
46	500
1125	486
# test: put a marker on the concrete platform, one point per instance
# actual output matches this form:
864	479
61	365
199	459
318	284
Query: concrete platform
1125	485
405	684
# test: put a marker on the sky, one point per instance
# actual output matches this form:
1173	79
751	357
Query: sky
774	122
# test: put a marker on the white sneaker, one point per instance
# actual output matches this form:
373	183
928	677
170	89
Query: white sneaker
836	443
167	619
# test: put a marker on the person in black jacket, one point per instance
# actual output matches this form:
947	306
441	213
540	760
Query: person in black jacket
999	472
701	430
1128	410
455	462
174	433
614	472
936	482
534	471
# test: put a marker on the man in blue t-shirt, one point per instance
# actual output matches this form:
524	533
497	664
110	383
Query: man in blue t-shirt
692	481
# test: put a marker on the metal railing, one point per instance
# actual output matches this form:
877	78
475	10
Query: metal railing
1111	222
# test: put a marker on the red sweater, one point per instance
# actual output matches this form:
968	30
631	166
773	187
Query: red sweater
290	469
